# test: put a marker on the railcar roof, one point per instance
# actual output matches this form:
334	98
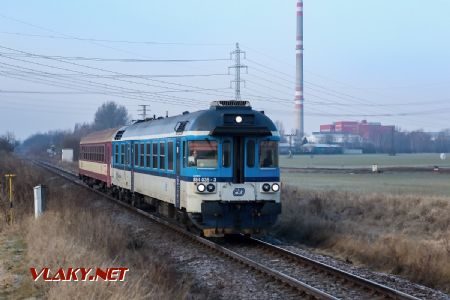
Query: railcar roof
198	121
103	136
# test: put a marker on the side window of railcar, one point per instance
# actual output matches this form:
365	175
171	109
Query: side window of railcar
170	156
155	155
128	157
202	154
141	154
250	153
136	154
122	153
147	154
268	154
226	154
116	154
162	155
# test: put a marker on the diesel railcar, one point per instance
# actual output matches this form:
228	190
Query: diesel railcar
215	170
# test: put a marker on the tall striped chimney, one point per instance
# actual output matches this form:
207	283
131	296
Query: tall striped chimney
299	74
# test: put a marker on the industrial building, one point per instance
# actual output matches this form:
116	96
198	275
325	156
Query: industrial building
371	132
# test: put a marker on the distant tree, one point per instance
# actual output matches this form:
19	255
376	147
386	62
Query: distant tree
420	141
8	142
442	141
110	115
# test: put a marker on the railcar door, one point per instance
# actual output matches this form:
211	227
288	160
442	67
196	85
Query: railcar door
133	162
250	161
178	156
238	161
128	165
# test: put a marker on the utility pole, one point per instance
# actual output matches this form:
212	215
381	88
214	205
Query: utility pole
392	141
9	178
143	111
237	71
290	142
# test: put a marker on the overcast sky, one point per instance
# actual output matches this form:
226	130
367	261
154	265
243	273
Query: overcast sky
378	60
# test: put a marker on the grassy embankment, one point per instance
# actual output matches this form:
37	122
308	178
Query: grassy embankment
402	234
74	233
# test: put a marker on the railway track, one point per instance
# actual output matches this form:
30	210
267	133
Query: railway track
307	277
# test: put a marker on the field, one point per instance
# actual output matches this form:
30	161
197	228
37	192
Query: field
364	161
390	182
397	183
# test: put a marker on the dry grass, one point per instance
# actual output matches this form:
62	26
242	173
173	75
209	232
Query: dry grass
75	233
26	178
407	235
79	236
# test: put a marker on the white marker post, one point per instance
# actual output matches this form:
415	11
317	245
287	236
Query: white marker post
39	200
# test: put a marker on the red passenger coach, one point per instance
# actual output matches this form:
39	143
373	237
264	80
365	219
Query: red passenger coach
95	157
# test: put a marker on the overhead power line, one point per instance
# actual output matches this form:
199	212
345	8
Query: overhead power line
117	76
109	71
60	37
128	60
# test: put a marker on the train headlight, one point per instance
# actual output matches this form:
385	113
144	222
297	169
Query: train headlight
201	187
266	187
210	188
238	119
275	187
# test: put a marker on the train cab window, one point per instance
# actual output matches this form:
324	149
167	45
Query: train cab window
155	155
141	156
170	156
122	154
162	155
226	154
250	153
268	154
147	155
202	154
116	154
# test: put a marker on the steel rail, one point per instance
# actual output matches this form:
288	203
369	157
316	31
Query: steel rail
383	289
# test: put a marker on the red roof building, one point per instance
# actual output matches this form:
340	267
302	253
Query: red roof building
372	132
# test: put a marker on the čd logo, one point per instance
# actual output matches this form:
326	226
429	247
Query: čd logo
238	192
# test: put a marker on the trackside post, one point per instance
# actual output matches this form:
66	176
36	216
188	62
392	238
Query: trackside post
39	200
10	215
